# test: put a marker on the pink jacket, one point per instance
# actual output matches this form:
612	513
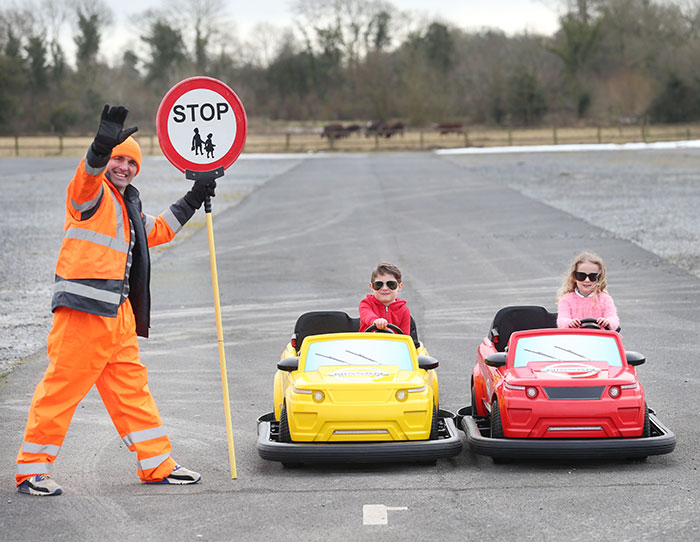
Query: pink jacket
573	306
396	313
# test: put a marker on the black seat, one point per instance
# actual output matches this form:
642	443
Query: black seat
519	318
320	322
414	333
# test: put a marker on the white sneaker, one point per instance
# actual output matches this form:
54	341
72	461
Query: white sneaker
180	476
41	485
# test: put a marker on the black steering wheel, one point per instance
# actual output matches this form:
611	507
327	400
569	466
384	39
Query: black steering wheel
591	323
390	328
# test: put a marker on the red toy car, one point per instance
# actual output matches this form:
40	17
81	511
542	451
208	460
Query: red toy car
540	391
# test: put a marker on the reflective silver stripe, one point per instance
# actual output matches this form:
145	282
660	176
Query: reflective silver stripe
577	428
171	220
119	219
152	462
143	435
97	238
87	291
118	242
33	468
94	171
148	223
88	204
32	448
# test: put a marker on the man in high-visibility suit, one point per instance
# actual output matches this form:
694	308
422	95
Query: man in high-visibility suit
101	303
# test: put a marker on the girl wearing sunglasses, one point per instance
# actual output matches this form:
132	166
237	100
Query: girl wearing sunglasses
381	306
583	294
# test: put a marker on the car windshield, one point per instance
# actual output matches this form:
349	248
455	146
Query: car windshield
358	352
573	347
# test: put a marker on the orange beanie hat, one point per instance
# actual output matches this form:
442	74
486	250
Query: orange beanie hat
131	149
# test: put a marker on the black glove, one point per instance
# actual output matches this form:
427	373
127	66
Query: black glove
201	189
111	131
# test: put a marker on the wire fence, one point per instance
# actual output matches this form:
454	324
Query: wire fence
311	140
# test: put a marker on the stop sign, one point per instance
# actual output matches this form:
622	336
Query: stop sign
201	125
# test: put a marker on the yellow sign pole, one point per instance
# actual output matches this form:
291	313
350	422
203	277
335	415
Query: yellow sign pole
220	338
215	174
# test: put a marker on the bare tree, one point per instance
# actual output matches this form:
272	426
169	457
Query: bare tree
349	23
91	17
266	39
200	22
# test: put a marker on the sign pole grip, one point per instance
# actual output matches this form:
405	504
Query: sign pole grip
215	174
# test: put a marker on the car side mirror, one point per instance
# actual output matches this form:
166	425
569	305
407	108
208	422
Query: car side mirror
497	359
634	358
288	364
427	362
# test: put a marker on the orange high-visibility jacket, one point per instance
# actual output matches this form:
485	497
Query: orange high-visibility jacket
92	264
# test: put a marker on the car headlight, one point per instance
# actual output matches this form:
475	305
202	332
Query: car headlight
531	391
316	395
402	395
513	386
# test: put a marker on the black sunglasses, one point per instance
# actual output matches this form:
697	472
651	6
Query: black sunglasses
580	276
391	284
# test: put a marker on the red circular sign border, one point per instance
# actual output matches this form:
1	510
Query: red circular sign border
166	105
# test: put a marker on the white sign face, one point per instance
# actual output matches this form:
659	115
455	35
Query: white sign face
201	126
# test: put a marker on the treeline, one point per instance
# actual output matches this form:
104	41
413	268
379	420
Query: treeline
611	61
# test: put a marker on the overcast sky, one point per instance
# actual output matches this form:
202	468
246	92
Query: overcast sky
511	16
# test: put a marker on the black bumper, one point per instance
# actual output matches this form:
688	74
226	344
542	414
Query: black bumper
661	441
448	444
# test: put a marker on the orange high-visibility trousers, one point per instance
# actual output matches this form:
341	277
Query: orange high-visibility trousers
85	350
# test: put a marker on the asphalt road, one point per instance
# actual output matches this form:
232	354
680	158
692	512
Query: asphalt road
469	240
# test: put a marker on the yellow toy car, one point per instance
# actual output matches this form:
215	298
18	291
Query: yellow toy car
341	395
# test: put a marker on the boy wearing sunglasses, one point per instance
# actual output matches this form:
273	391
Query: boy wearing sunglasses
583	294
381	307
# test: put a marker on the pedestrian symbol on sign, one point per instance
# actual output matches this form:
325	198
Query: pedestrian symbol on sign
197	142
209	146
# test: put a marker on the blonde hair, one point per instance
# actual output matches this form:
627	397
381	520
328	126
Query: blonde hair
569	282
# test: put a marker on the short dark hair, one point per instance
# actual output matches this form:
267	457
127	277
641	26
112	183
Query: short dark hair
386	268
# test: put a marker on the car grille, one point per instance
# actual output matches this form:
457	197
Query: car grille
557	393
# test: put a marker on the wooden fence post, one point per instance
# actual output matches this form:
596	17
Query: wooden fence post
554	135
16	145
600	139
421	139
510	137
60	145
287	142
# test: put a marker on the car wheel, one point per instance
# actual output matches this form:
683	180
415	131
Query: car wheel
285	436
646	430
496	425
434	425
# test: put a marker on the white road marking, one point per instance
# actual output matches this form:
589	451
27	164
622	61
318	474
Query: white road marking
376	514
573	147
